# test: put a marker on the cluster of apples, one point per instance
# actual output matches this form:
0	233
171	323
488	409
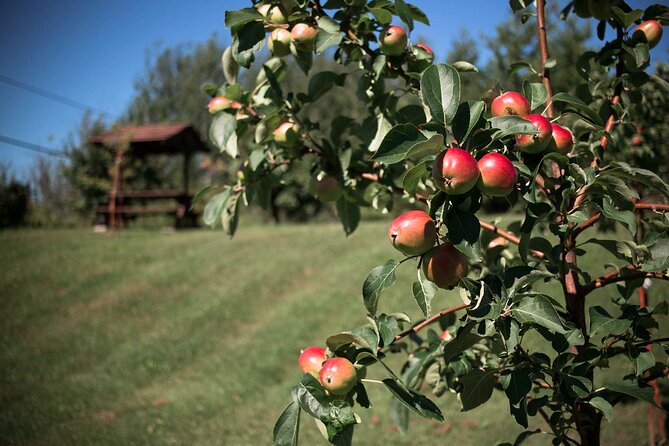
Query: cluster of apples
551	136
337	375
302	35
393	41
456	172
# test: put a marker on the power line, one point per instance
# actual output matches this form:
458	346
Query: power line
48	94
31	146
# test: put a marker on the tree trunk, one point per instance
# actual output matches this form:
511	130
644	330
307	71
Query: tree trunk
588	424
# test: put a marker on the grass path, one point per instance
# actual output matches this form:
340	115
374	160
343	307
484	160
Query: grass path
190	338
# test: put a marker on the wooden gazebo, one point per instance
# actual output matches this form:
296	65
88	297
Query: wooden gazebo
140	141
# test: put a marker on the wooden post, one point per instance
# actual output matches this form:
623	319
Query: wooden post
115	188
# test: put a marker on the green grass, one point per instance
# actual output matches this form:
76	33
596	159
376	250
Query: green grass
189	338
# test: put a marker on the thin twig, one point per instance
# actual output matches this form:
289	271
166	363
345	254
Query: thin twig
624	274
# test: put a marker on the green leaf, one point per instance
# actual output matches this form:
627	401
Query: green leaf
528	279
580	106
249	39
406	141
460	342
413	176
643	360
602	322
579	386
236	19
403	11
643	176
413	400
418	15
383	16
659	256
214	208
230	214
310	396
603	406
222	133
383	126
477	388
535	92
341	339
230	66
329	34
349	214
377	280
517	384
423	291
322	82
640	393
512	125
623	216
465	67
466	118
538	309
287	427
463	231
440	91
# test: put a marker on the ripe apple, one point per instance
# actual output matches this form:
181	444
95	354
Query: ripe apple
445	265
393	41
279	42
218	104
286	134
649	31
455	171
562	140
510	103
602	9
538	142
498	241
422	57
328	189
311	360
445	335
304	36
338	376
413	233
637	140
498	175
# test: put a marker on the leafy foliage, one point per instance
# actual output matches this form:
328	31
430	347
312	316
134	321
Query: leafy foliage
413	111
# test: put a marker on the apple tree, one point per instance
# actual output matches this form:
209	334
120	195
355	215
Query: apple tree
558	158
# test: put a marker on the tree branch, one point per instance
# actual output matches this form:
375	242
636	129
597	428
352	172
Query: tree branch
543	47
620	275
508	236
419	326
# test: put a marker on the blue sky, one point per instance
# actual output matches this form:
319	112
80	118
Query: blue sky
91	51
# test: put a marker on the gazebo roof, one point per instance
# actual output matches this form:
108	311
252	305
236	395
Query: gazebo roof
154	138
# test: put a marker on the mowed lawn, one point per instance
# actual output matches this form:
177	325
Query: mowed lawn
190	338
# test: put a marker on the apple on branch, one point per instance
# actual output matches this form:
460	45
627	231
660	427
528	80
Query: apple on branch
413	233
455	171
338	376
393	41
535	143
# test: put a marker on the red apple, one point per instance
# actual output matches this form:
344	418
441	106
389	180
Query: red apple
393	41
562	140
498	175
218	104
510	103
538	142
413	233
304	36
455	171
445	335
637	140
311	360
421	58
426	48
445	265
649	31
498	241
279	42
286	134
328	189
338	376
